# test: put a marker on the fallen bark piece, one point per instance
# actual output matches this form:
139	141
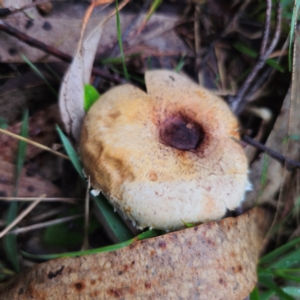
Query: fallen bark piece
216	260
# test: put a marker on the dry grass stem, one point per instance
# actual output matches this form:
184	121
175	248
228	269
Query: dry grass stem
45	224
21	216
16	136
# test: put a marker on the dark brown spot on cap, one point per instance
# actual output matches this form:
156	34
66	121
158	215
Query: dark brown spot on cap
148	285
114	293
181	132
93	282
79	286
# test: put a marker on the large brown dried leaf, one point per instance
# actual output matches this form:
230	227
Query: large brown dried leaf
61	30
29	185
216	260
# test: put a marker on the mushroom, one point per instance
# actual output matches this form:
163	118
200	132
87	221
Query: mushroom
166	157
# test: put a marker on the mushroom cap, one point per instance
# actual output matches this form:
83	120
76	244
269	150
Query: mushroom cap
166	157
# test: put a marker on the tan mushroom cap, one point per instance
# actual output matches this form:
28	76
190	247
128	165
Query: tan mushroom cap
167	157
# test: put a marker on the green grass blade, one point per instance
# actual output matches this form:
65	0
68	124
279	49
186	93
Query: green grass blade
119	32
292	291
153	8
270	257
266	295
10	243
10	240
268	282
145	235
254	294
3	123
180	64
70	151
114	221
39	73
91	95
288	277
287	261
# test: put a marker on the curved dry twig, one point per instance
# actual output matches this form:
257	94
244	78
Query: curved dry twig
266	31
289	163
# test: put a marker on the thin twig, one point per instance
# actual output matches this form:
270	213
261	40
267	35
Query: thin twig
266	31
45	224
289	163
30	199
51	50
266	75
21	216
43	216
238	102
21	138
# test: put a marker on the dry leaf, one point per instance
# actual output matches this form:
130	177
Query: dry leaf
23	92
216	260
41	130
16	4
268	175
72	89
29	185
61	30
